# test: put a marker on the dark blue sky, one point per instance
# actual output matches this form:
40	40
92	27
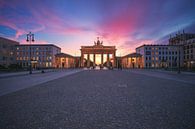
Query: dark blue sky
72	23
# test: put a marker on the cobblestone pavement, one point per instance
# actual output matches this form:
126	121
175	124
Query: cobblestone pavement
101	99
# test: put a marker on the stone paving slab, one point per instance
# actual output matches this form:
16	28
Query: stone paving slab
101	100
183	77
15	83
13	74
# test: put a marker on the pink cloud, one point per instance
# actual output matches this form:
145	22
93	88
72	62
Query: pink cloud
8	23
122	24
42	18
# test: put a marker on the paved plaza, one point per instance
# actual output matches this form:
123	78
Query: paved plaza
99	99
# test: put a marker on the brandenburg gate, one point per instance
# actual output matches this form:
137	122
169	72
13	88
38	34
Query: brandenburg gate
98	54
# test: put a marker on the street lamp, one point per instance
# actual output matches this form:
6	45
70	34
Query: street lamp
30	38
179	71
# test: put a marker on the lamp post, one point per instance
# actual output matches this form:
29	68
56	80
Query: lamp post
30	38
179	71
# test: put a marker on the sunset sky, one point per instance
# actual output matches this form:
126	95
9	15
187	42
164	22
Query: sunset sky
72	23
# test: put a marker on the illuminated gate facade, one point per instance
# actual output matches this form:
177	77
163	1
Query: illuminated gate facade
98	54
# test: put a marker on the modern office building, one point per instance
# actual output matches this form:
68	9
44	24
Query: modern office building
133	60
7	52
41	55
65	61
161	56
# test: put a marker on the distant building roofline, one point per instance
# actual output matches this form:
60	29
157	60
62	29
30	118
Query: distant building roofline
9	40
154	45
63	55
38	45
133	55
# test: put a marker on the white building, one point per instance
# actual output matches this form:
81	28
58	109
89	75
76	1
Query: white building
161	56
42	55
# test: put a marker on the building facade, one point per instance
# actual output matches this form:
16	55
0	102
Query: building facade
187	41
41	55
7	52
98	54
180	38
65	61
161	56
189	54
133	60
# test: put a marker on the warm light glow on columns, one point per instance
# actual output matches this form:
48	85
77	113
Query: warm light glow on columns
94	59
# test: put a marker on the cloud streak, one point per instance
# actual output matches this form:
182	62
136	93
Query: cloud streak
126	24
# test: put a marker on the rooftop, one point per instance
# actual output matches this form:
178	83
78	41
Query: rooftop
63	55
133	55
39	45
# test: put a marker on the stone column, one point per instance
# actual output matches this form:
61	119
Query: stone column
114	58
88	61
82	59
102	59
94	59
127	63
108	59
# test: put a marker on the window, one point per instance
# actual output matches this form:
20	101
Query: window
4	46
4	58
